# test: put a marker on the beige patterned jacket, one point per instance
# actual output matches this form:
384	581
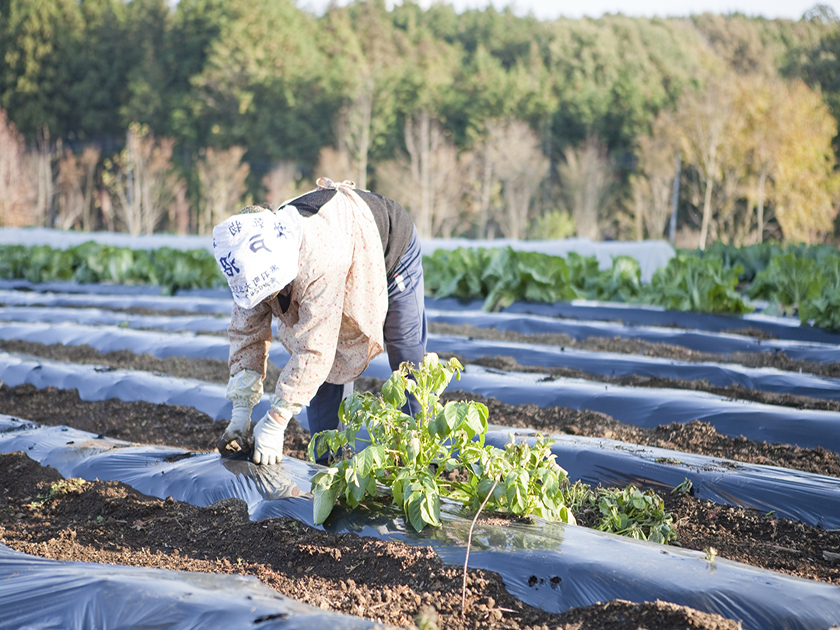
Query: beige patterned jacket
333	326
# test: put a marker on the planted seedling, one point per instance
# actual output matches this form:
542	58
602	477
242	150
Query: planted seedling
686	487
59	488
439	452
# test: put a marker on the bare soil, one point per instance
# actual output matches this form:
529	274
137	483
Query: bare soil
395	585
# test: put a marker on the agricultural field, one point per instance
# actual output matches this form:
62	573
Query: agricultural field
726	422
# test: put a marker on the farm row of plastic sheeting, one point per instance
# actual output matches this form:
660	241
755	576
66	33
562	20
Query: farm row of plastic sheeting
641	315
809	344
190	304
614	364
723	343
710	342
811	498
650	407
111	338
646	407
552	566
219	293
97	383
100	317
41	593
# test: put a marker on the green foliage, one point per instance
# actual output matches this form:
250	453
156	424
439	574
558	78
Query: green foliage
752	258
92	262
822	308
439	453
620	283
553	225
788	281
633	513
57	489
625	512
499	276
703	285
583	272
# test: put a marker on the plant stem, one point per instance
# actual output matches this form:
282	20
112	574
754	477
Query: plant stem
469	544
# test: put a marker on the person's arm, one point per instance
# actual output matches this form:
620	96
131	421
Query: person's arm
250	337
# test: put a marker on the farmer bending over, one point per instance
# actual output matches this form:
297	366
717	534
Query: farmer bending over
340	270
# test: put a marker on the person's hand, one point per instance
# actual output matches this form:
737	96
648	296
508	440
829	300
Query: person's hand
268	438
237	436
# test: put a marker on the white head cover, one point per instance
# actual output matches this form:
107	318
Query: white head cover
258	253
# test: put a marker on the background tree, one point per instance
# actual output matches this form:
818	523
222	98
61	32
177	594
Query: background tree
586	181
520	173
339	91
427	181
806	181
282	183
76	185
42	42
653	184
704	118
819	64
15	188
222	175
423	88
264	84
142	181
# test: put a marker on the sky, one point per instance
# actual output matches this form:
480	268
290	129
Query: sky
553	9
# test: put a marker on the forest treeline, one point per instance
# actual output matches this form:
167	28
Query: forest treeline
146	115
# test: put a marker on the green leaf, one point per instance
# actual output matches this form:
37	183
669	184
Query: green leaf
430	508
324	502
393	390
414	509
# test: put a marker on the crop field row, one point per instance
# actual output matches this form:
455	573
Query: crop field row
732	432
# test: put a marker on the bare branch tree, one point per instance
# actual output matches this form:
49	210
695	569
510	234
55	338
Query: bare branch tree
357	131
16	198
520	171
429	181
142	181
653	185
586	182
42	169
221	175
75	184
484	188
704	118
336	165
282	183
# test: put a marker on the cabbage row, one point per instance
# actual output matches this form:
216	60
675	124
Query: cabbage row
794	280
95	263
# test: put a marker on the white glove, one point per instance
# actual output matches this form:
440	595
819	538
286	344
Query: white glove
268	439
237	436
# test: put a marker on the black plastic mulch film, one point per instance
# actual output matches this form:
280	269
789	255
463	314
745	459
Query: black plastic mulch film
548	565
552	566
